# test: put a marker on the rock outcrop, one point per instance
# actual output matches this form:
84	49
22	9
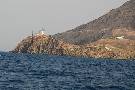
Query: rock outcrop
40	44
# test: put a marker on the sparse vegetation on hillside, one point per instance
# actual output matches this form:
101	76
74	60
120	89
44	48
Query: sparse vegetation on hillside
122	17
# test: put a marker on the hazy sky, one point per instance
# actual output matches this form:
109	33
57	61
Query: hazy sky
19	17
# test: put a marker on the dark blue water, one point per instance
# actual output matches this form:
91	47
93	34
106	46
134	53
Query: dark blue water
44	72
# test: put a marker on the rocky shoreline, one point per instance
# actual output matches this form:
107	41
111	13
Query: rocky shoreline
104	48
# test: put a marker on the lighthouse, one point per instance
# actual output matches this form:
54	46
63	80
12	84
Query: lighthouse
41	32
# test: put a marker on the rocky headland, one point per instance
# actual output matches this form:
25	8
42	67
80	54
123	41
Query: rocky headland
110	36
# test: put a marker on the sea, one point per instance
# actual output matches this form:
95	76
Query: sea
51	72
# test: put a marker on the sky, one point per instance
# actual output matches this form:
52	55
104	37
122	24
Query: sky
19	17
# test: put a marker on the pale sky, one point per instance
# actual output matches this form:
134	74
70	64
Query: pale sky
19	17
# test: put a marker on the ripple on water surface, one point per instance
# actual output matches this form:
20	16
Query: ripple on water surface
46	72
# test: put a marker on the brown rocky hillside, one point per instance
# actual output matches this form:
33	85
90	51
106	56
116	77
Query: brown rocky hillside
119	18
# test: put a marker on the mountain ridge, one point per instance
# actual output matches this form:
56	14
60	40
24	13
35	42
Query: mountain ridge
121	17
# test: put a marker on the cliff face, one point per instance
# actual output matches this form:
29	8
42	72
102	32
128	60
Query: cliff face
122	17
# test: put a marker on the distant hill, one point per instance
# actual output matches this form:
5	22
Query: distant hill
103	27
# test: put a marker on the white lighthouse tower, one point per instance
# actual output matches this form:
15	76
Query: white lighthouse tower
41	32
